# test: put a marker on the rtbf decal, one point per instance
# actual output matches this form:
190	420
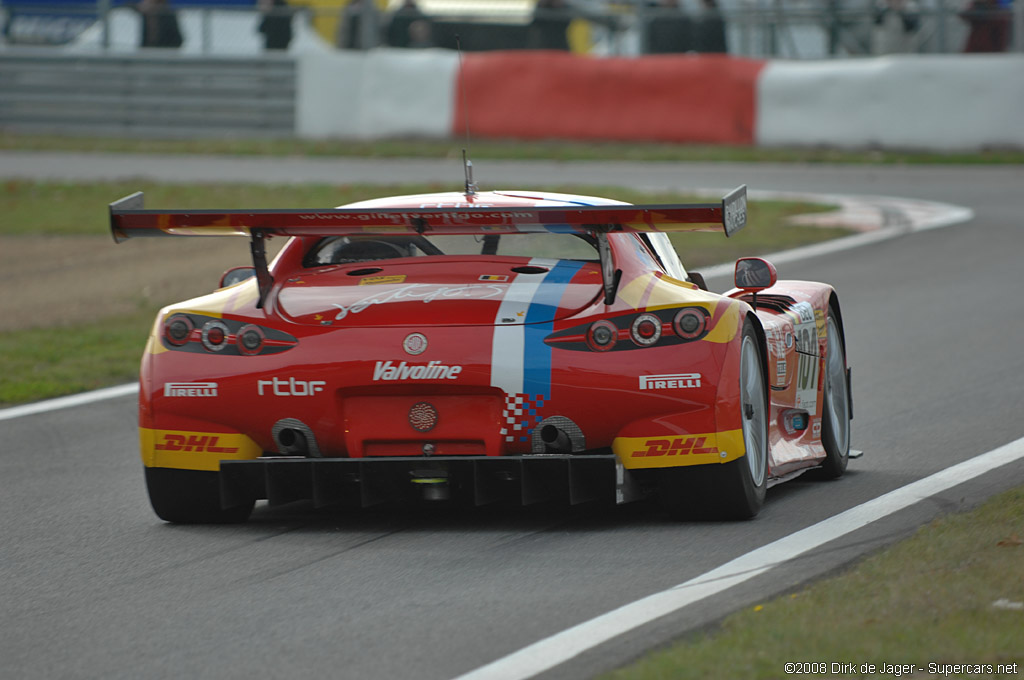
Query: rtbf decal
289	387
194	443
680	446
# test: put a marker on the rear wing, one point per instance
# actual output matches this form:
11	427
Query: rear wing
128	220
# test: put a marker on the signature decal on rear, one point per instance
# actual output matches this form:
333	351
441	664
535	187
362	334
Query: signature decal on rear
435	370
423	292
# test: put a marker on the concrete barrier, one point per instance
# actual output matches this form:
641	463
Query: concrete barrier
376	94
935	102
918	102
543	95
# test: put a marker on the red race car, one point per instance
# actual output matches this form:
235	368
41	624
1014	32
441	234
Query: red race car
484	347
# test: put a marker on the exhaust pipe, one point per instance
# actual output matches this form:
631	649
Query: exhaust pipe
558	434
555	440
295	438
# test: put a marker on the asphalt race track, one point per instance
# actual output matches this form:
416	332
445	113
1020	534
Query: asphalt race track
94	585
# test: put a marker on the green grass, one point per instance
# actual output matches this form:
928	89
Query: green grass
926	600
53	362
552	150
66	209
45	363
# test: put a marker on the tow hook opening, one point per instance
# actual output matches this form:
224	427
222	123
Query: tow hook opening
432	484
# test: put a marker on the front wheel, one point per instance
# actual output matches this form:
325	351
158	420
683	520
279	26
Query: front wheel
191	497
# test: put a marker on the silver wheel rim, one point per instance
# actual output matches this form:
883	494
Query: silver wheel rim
752	403
837	402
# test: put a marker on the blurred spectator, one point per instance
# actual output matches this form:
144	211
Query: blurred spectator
421	34
668	28
709	29
276	25
549	27
896	22
400	31
360	26
159	24
991	25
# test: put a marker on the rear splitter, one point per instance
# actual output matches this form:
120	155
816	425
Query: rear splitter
475	480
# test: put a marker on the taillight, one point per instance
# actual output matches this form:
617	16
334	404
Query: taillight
690	323
215	335
178	329
663	327
249	339
601	336
645	330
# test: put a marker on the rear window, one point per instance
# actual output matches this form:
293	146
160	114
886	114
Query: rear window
350	249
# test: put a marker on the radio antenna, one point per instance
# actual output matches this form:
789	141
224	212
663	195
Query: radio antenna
467	164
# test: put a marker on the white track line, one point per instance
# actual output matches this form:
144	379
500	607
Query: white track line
561	647
68	402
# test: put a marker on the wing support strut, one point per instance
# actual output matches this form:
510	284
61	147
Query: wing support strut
264	279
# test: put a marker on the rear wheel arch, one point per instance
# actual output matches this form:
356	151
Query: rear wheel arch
833	304
762	342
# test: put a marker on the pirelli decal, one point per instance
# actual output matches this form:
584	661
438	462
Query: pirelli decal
679	450
194	450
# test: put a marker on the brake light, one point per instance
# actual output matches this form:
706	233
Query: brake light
602	335
215	335
690	323
658	328
645	330
186	332
178	329
250	339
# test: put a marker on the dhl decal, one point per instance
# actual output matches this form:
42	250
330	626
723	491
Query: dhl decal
678	446
679	450
194	450
193	442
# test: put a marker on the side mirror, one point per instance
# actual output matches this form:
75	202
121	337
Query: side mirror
754	274
236	275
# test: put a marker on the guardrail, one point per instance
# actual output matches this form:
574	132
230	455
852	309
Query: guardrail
146	94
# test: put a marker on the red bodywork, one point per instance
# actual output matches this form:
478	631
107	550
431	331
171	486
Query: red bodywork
476	356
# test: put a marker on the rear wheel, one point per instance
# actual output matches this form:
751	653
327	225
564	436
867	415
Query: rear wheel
734	490
835	412
191	497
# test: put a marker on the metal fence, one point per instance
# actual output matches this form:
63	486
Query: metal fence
146	94
791	29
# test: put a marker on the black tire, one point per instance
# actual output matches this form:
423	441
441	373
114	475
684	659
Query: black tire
835	412
734	490
191	497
